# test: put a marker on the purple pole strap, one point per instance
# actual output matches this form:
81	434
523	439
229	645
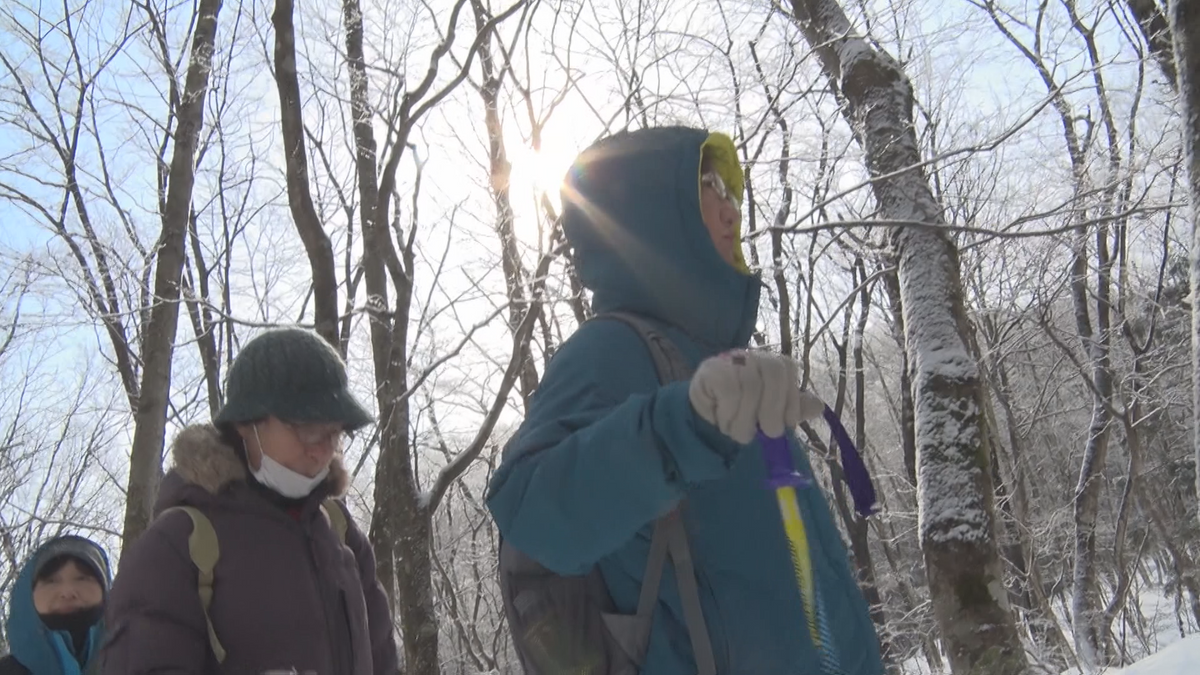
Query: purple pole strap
781	470
858	479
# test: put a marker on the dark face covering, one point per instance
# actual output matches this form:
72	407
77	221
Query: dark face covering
78	625
47	642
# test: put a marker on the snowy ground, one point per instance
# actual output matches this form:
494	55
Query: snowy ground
1181	658
1166	651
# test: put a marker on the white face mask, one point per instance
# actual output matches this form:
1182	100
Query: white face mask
283	480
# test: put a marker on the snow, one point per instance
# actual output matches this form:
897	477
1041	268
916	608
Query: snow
951	479
1181	658
1166	651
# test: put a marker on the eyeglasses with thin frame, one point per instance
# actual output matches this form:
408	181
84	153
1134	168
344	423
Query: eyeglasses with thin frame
314	436
713	180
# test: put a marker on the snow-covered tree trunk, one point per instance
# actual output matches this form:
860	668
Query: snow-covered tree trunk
956	519
1185	20
1087	611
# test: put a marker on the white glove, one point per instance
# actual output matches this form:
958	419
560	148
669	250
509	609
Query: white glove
741	392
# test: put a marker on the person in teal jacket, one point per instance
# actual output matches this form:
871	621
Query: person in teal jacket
55	610
653	218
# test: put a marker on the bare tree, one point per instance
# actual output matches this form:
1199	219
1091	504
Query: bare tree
56	198
142	349
515	275
1156	31
957	521
304	214
1185	20
158	345
402	523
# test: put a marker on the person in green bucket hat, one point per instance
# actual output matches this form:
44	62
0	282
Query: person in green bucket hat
253	563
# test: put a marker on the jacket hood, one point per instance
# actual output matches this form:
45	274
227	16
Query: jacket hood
36	647
631	212
205	465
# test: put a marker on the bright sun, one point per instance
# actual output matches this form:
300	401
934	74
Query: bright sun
535	174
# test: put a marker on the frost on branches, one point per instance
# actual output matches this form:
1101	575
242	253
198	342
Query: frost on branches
956	513
1185	22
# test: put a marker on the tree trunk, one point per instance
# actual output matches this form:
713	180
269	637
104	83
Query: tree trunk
158	346
956	519
1086	605
1185	19
308	224
501	173
401	524
401	528
908	424
1043	626
200	313
1157	34
856	526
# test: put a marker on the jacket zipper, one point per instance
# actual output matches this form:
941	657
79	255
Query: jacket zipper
338	651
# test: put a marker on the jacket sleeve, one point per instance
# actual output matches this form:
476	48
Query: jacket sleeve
379	618
604	450
155	624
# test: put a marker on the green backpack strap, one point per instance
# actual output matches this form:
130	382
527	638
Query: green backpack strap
337	518
204	550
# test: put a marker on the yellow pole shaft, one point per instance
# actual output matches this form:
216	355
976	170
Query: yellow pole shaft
793	526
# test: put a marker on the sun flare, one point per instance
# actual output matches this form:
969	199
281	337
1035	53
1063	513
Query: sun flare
535	174
538	171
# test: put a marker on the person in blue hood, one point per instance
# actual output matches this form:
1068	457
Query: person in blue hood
653	218
55	611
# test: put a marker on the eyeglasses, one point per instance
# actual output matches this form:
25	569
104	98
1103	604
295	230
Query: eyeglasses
313	435
713	180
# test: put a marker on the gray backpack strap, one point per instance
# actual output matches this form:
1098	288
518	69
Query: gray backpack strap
652	579
668	360
669	533
689	594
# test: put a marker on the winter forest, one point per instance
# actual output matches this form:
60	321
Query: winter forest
972	218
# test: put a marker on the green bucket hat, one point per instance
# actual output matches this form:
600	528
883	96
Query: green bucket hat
291	374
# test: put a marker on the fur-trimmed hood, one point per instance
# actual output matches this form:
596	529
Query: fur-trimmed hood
294	591
201	457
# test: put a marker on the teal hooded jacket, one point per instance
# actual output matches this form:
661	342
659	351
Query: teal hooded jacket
605	450
35	648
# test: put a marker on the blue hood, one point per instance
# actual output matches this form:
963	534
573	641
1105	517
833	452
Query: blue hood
631	211
606	449
36	647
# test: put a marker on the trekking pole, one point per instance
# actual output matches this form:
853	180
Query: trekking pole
784	479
